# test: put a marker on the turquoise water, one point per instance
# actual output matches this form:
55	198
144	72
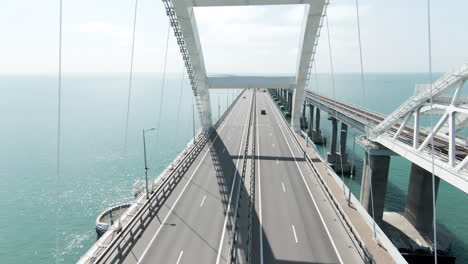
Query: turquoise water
95	172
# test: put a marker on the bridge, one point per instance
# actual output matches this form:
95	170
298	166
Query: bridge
246	181
252	188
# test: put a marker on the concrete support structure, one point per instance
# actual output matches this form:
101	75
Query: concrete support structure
303	118
374	178
332	157
310	127
289	107
344	164
418	209
317	133
338	161
343	138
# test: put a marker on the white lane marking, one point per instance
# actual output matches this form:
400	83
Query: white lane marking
307	186
260	194
183	190
203	200
273	145
271	134
180	256
294	232
220	247
284	189
277	162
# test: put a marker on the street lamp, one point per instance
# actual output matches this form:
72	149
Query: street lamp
146	166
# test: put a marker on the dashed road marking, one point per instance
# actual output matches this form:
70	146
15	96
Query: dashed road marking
180	257
294	232
203	200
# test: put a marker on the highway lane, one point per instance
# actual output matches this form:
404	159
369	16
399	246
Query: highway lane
298	223
190	225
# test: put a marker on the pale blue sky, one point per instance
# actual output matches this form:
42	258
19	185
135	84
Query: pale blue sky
97	37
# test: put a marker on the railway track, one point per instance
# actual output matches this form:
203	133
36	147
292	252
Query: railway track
372	119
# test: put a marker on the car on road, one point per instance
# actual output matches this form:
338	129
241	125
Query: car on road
263	112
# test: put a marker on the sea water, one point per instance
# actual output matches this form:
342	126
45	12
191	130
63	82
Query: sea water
47	216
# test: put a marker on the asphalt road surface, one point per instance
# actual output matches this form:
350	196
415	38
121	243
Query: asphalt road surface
294	221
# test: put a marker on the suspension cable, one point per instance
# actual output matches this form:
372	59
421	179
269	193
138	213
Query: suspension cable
59	117
180	103
432	128
331	61
334	97
130	77
361	61
316	77
161	97
366	129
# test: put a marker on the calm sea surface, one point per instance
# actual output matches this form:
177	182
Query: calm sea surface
96	174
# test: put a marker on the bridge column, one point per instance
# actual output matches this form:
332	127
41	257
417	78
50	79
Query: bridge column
311	121
285	98
317	133
375	172
418	209
331	155
303	118
282	97
343	156
338	161
289	107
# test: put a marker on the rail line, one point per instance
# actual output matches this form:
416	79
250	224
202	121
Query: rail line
407	133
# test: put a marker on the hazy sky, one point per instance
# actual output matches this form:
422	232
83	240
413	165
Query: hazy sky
97	37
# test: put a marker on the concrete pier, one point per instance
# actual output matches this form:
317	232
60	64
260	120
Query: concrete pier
310	126
374	178
303	119
289	103
338	161
418	209
317	133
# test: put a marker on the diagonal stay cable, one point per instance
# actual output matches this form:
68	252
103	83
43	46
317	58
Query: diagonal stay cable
59	117
161	97
179	104
129	96
434	214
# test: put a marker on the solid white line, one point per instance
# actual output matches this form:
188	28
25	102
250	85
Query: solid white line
220	247
307	186
183	190
277	162
273	145
284	190
201	204
294	232
260	194
180	256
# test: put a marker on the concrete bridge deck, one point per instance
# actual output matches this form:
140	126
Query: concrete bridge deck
294	220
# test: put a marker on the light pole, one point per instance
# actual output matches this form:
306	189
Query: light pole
144	153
